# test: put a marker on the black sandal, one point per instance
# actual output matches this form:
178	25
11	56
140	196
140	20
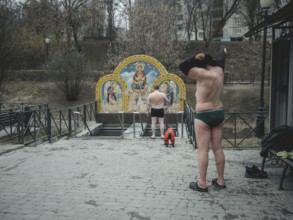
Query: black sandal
216	184
195	186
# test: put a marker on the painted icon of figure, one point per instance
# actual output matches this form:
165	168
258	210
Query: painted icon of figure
139	78
169	93
111	96
139	84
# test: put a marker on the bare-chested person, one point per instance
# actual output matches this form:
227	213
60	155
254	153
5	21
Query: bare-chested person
209	117
156	101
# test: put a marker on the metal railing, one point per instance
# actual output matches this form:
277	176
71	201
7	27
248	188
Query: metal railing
42	123
170	119
238	132
14	107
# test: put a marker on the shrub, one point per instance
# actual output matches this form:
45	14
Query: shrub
69	71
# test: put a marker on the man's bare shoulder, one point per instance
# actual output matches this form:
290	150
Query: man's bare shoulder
197	73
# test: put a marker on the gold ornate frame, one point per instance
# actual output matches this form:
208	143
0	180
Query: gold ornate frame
180	83
99	87
140	58
115	76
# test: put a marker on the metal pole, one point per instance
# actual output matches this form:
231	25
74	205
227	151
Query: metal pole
84	116
69	123
260	111
182	121
122	124
96	111
235	132
133	124
49	129
47	50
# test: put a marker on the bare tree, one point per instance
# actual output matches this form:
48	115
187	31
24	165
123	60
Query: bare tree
73	18
95	20
9	40
110	12
57	18
191	18
42	18
150	33
250	10
214	15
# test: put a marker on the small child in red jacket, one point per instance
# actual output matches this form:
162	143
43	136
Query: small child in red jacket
169	135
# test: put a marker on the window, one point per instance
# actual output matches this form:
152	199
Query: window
200	34
180	27
237	31
238	21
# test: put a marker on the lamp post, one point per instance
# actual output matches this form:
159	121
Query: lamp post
260	118
47	42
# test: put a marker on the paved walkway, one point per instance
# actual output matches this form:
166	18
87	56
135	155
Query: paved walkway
91	178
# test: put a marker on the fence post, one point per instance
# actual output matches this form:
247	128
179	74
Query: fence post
69	123
133	122
122	123
34	120
60	121
235	124
96	110
49	131
84	116
193	129
27	117
21	126
182	115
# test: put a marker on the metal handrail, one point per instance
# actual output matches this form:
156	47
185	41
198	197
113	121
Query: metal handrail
43	124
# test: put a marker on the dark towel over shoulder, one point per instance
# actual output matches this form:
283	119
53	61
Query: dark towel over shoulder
192	62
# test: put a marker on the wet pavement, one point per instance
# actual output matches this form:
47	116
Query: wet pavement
94	178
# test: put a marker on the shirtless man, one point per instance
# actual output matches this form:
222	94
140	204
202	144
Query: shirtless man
155	102
209	117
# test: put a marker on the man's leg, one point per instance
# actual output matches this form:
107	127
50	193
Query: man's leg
203	136
218	152
161	121
154	121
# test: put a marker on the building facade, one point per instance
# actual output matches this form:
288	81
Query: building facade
206	15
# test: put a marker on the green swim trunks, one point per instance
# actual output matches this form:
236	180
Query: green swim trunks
212	118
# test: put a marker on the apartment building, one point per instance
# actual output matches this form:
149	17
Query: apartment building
209	12
235	27
206	15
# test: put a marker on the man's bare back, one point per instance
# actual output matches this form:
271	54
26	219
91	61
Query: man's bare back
209	90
